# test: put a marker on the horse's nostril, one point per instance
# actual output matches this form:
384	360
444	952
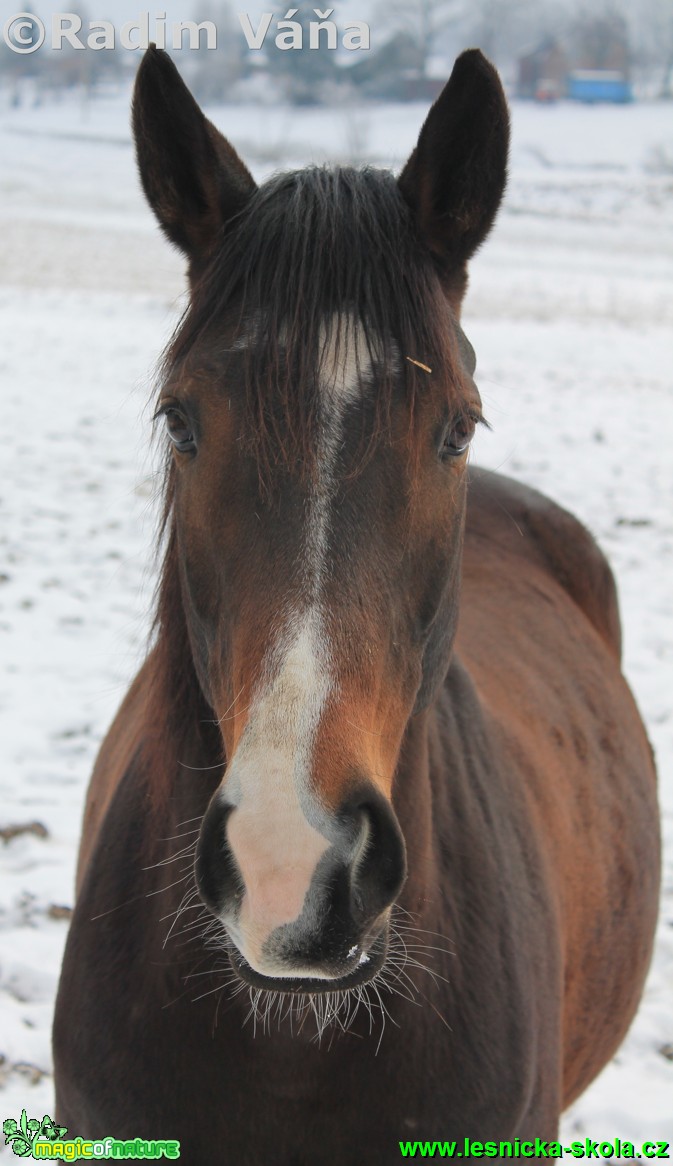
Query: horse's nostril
380	870
217	876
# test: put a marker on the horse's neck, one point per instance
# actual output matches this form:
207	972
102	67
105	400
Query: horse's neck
444	764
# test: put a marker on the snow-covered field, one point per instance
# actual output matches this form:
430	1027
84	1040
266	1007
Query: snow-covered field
570	311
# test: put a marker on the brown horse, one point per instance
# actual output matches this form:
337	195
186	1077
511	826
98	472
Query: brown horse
354	869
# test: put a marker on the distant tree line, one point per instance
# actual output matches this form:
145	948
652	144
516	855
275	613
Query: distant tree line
412	45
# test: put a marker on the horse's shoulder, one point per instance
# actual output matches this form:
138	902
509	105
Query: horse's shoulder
527	525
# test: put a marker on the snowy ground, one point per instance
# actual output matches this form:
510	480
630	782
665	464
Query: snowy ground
570	313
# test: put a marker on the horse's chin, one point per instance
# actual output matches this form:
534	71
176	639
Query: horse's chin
364	970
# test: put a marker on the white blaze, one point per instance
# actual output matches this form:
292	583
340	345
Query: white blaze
269	777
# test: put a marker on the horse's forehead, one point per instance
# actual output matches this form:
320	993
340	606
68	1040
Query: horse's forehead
345	358
347	353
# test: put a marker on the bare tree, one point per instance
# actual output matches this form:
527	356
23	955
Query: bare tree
651	27
212	72
503	28
423	20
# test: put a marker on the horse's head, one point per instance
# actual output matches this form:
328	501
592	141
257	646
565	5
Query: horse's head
319	401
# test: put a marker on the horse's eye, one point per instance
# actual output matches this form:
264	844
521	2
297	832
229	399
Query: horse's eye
458	437
179	431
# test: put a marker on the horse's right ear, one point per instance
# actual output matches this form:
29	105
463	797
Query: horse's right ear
193	179
455	178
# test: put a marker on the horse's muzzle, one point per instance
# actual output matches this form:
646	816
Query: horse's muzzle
365	966
337	936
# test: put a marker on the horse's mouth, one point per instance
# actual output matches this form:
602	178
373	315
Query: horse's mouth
366	967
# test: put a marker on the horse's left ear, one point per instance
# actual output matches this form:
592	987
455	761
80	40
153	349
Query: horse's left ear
456	176
193	178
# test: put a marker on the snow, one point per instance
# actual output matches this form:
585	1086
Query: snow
569	310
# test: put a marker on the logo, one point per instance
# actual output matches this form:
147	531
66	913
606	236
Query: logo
21	1135
29	1137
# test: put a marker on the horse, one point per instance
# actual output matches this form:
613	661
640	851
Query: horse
370	852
